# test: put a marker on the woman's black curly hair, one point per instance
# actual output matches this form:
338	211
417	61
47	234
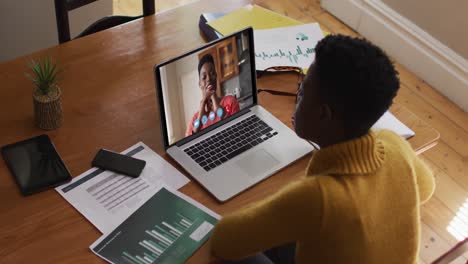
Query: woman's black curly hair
207	58
357	78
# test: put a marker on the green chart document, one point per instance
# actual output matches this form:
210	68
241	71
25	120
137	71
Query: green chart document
168	228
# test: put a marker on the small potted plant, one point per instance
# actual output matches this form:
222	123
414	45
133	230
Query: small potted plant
48	112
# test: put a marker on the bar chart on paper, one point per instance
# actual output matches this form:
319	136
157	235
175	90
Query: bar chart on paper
166	229
162	237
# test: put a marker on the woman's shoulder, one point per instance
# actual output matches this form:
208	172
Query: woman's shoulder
229	99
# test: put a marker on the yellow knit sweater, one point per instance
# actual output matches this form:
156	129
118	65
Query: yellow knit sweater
358	203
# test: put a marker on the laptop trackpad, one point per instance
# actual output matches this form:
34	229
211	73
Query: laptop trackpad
255	163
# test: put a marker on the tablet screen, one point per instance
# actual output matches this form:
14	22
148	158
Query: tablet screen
35	164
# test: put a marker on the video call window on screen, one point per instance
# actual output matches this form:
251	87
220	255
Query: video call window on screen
206	87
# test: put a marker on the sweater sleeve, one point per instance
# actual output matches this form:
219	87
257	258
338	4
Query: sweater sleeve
423	175
424	180
292	213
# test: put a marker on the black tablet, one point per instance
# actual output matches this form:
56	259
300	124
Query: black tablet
35	164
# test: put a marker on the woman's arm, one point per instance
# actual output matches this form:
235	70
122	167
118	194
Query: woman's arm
201	112
215	102
290	215
424	180
207	94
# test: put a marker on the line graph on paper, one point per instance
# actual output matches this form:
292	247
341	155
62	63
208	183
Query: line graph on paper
293	56
286	46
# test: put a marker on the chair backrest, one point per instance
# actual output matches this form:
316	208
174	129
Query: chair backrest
62	7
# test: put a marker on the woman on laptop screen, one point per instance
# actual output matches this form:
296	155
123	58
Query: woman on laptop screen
212	108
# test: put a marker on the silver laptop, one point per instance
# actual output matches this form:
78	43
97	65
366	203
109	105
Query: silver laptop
211	122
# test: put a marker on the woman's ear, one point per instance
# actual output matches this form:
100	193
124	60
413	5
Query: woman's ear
326	112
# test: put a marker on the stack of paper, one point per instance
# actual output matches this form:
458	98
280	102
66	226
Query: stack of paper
144	219
106	198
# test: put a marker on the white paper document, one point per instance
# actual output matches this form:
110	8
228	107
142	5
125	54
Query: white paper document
286	46
390	122
106	198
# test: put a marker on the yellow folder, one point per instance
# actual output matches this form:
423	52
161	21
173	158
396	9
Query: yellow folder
251	15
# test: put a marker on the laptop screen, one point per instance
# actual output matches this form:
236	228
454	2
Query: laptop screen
206	87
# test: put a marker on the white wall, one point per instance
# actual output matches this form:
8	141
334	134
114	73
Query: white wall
187	69
180	85
29	25
410	45
445	20
172	103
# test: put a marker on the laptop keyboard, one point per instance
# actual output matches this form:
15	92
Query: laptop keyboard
230	142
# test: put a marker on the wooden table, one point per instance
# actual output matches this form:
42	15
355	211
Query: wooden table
110	102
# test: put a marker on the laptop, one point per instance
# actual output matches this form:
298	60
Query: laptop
212	124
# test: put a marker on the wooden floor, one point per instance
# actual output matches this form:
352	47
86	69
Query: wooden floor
448	160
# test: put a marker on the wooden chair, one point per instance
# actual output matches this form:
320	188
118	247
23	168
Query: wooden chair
62	7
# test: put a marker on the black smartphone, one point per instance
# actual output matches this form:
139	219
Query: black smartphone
120	163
